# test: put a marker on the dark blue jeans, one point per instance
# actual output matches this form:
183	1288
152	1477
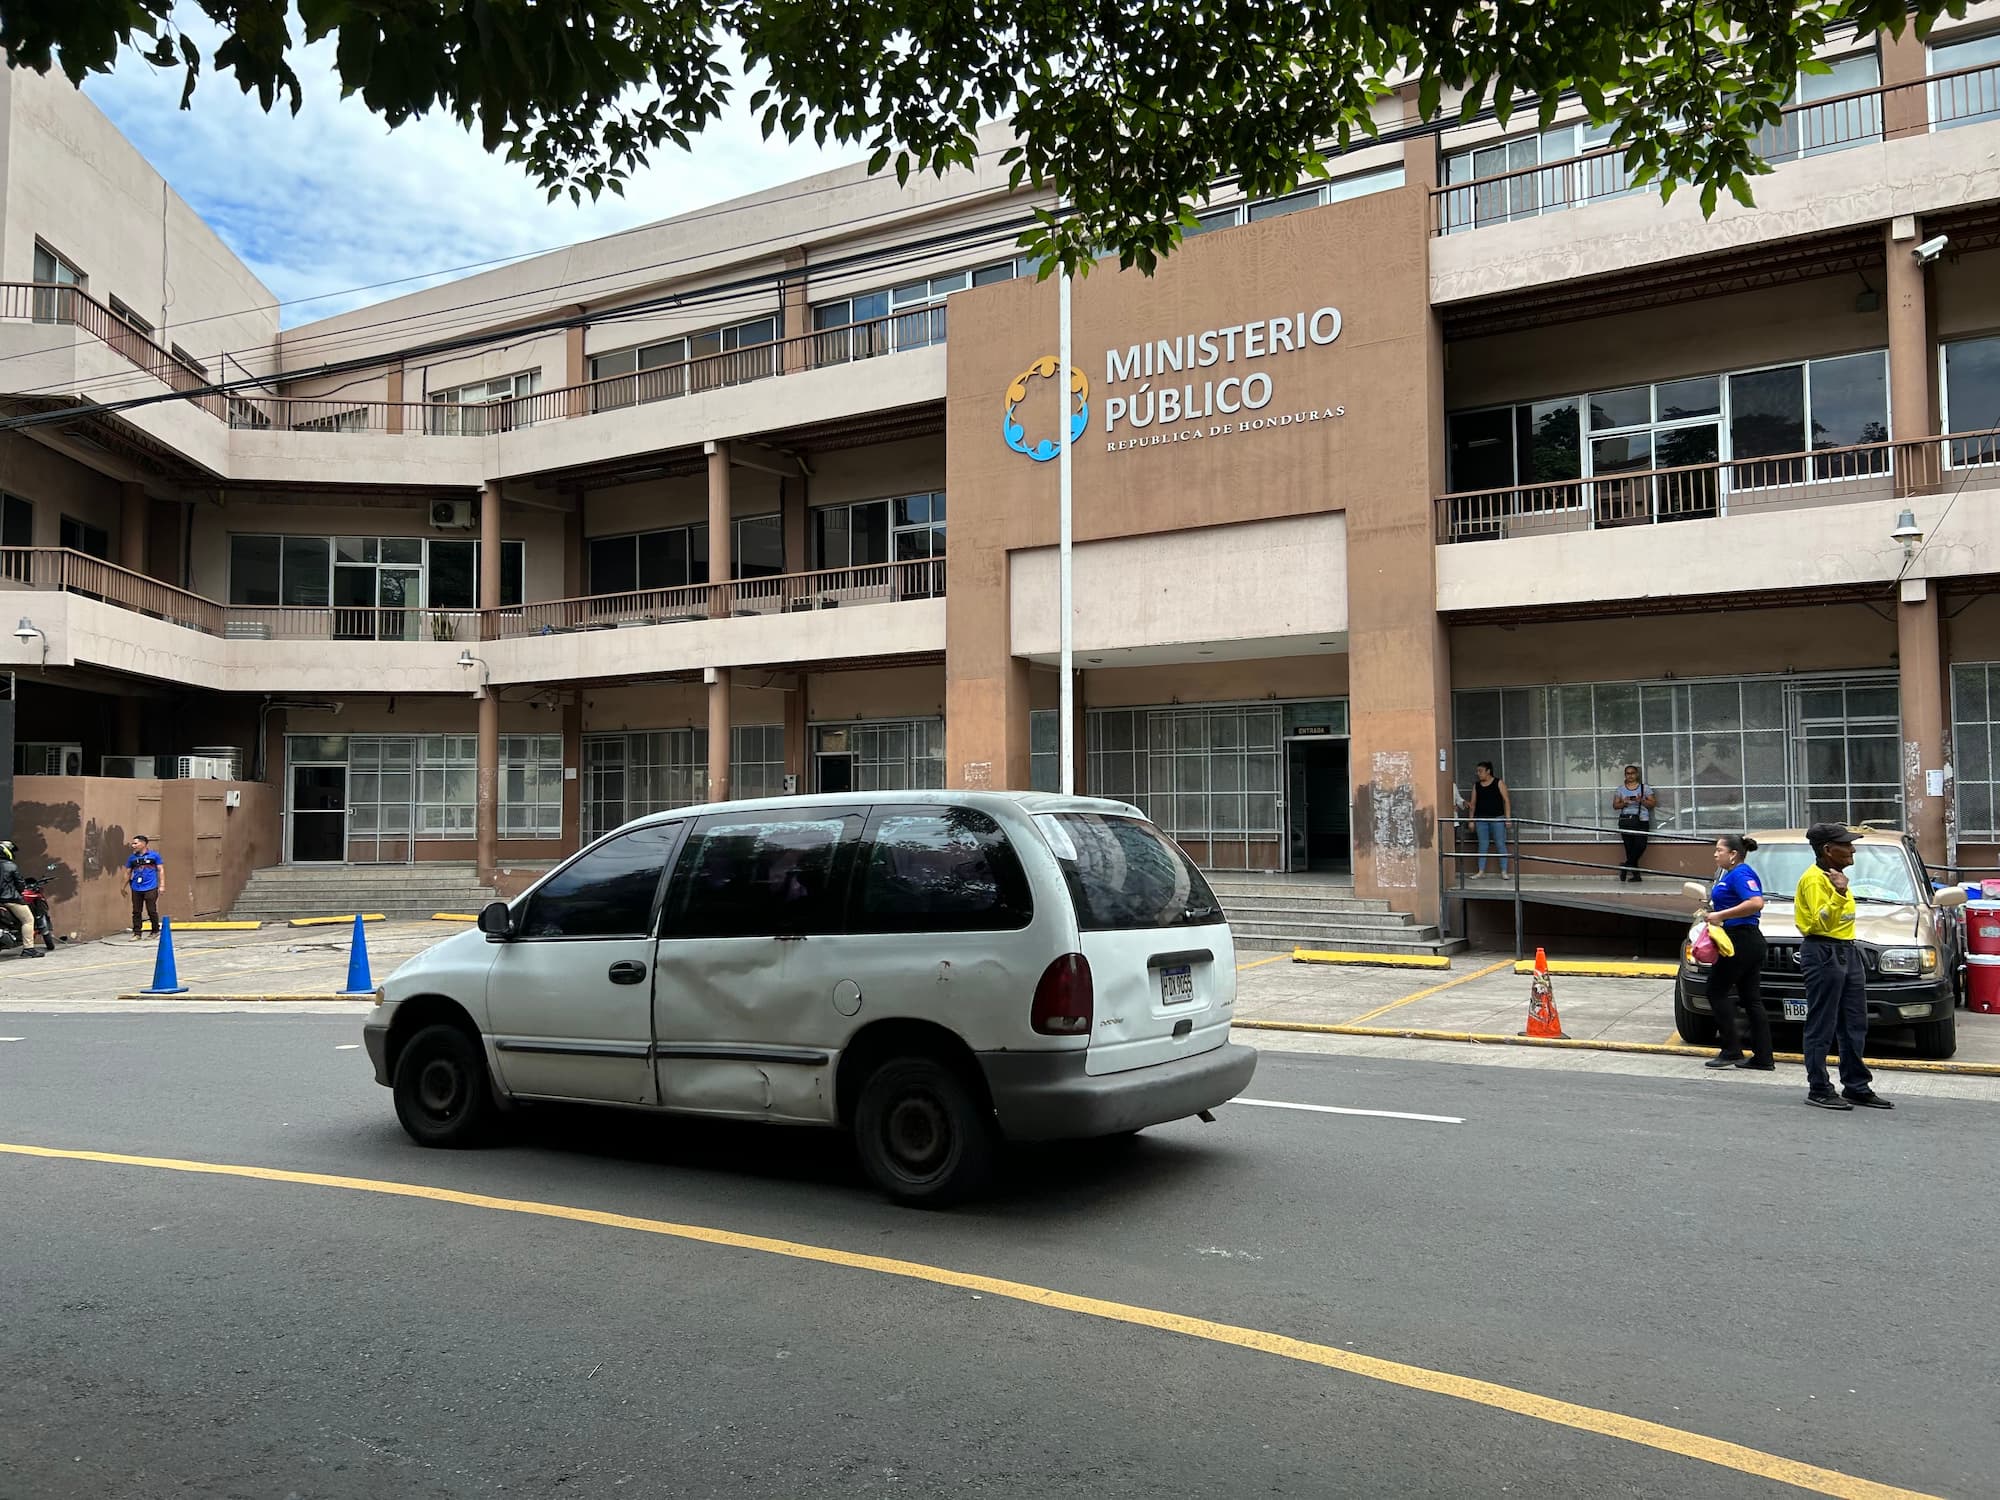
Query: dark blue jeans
1836	1007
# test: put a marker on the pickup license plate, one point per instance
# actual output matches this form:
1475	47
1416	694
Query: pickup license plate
1177	985
1795	1010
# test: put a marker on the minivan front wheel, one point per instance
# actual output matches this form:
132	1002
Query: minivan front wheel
924	1135
443	1096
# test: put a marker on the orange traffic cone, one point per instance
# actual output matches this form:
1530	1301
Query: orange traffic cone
1542	1017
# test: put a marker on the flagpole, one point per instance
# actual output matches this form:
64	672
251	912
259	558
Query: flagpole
1067	700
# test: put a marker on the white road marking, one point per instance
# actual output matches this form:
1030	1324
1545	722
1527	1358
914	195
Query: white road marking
346	1046
1334	1109
12	1039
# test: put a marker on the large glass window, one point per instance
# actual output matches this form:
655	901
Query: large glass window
880	755
1721	755
1972	399
1312	195
1044	751
946	869
675	366
906	529
300	571
1123	875
760	877
1521	192
1975	747
1964	100
531	786
608	892
1202	774
1820	118
910	316
17	522
483	406
447	786
81	536
677	556
51	270
627	776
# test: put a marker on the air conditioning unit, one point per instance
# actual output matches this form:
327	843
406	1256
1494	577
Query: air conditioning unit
204	768
452	515
131	767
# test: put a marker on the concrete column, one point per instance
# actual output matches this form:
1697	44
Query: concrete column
1420	154
572	722
132	509
720	536
489	546
796	321
718	734
986	687
576	370
1906	100
487	821
798	737
395	422
1912	365
792	512
574	545
1920	670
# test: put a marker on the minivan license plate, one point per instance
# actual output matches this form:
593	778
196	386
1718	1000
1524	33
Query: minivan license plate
1176	985
1795	1010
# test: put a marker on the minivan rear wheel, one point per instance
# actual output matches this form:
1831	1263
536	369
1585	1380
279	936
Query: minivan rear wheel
923	1133
443	1096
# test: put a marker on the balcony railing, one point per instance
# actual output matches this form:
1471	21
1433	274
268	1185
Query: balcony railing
780	593
1691	492
1811	128
252	410
59	570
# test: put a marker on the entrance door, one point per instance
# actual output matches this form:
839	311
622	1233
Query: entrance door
318	815
835	773
1318	821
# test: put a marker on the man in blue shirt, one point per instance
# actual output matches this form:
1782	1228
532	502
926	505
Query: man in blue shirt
142	879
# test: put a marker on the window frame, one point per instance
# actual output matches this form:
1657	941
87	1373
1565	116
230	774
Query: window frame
840	876
1021	914
85	532
1956	453
1973	36
516	546
124	313
636	538
48	304
9	501
676	843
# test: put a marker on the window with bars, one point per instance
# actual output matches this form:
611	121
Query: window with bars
531	786
1975	747
1200	773
1721	755
447	787
1044	750
887	755
1313	195
629	775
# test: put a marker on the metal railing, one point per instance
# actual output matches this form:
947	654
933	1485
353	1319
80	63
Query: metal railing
71	306
1962	96
61	570
1687	492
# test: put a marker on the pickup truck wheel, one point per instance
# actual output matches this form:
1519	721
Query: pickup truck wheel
924	1135
1696	1030
443	1096
1938	1038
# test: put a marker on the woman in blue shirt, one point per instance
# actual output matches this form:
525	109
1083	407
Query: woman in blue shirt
1735	901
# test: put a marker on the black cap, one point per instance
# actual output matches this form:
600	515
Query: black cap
1822	834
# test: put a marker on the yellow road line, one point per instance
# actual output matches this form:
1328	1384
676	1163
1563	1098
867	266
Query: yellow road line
180	927
1275	958
1611	1424
1434	989
1382	960
1609	969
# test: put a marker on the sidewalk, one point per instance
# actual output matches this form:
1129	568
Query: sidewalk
1482	993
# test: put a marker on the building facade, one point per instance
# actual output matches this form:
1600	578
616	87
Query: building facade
1473	452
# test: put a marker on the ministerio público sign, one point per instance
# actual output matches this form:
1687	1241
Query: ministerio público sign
1151	396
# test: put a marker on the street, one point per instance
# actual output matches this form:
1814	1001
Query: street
1657	1246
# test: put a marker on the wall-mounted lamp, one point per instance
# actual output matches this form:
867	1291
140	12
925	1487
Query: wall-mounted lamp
1908	532
26	632
467	661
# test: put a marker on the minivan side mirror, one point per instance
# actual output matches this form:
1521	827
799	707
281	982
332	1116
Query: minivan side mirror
496	920
1954	897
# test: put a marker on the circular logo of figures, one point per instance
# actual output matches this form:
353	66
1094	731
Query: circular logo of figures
1044	449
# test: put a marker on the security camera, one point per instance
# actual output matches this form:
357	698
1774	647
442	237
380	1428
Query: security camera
1931	249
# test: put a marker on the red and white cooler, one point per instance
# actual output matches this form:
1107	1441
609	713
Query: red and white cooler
1982	983
1982	928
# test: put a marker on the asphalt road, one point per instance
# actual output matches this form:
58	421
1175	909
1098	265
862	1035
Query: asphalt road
1717	1259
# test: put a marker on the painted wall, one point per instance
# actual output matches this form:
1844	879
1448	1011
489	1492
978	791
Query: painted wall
57	487
81	825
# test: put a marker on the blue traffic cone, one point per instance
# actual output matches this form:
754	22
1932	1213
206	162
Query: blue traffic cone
358	980
166	979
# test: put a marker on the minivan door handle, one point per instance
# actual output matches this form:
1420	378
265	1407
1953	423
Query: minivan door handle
628	971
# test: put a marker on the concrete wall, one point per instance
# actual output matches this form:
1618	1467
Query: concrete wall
57	486
80	825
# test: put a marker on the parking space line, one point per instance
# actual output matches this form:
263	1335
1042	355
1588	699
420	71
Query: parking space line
1276	958
1334	1109
1433	990
1610	1424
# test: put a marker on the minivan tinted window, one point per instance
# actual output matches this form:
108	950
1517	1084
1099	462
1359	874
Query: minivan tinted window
760	877
1124	873
606	893
940	869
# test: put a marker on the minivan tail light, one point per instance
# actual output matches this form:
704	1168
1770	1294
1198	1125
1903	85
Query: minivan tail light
1063	998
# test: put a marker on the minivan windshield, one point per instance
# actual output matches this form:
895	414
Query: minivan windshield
1124	873
1881	872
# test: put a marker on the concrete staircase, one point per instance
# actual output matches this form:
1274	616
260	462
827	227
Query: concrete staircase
1276	913
400	892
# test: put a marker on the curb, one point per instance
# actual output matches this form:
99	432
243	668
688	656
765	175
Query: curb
340	921
217	926
454	916
1593	1044
1581	968
1378	960
315	995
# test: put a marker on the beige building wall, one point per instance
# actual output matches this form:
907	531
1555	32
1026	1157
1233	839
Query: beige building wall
57	487
1288	677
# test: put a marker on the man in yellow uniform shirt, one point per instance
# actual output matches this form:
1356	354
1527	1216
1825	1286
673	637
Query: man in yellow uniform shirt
1836	978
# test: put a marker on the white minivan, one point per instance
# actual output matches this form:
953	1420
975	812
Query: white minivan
930	971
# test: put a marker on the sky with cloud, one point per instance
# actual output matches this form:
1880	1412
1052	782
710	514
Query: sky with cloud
330	200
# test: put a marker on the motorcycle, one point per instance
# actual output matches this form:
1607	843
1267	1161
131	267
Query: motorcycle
44	934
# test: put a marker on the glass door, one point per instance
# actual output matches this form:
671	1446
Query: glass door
381	797
318	814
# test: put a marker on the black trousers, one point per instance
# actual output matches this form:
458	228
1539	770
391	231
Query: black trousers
1635	849
145	904
1738	980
